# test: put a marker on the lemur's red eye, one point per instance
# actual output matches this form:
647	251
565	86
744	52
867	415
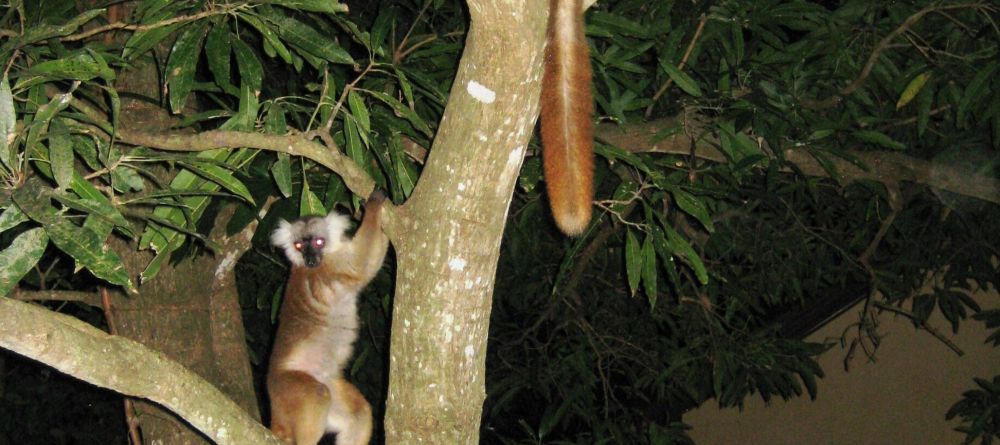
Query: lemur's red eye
319	242
298	245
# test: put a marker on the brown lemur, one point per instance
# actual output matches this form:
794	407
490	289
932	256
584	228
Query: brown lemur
318	325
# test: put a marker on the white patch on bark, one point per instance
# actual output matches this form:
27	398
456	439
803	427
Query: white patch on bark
226	265
456	264
461	186
469	351
514	160
480	92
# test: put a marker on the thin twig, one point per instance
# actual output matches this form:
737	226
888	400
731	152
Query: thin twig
925	326
140	28
680	66
398	54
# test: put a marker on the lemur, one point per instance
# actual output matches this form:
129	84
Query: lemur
318	324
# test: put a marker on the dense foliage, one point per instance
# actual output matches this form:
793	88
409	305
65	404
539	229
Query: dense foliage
709	262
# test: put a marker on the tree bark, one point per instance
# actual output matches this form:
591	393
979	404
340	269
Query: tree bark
114	362
447	236
190	311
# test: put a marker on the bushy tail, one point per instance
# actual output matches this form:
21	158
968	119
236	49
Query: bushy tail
567	129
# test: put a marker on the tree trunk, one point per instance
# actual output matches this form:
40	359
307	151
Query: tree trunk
191	313
190	310
447	236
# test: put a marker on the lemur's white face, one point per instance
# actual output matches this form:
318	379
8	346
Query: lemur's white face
307	240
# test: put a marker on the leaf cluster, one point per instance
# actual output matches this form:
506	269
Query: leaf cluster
738	247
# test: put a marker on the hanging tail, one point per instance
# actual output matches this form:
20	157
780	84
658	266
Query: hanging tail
567	129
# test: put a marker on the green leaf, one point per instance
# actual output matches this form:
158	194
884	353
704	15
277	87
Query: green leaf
270	37
183	64
736	145
355	149
693	206
116	105
359	112
683	249
335	192
60	153
143	41
404	85
310	205
43	116
42	32
617	24
531	173
101	209
718	375
103	70
974	93
666	255
327	6
220	176
682	80
916	84
80	66
406	173
246	117
612	153
879	138
218	56
20	257
281	171
126	179
925	99
8	123
83	245
411	116
383	24
649	270
304	37
251	71
633	261
922	305
154	266
11	217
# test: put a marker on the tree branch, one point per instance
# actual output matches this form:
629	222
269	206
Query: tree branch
125	366
88	298
883	166
224	10
357	180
